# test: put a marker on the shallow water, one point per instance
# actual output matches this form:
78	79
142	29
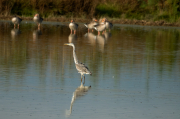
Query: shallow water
135	72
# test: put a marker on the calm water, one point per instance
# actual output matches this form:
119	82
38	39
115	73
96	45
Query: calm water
136	72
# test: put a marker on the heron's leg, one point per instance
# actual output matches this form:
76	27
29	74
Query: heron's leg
84	80
14	25
81	78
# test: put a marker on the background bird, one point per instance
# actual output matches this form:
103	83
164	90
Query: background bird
82	68
16	20
91	24
109	25
73	26
101	26
37	19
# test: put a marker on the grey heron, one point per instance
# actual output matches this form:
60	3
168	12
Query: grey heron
81	68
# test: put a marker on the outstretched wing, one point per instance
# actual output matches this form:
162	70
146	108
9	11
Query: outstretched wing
86	25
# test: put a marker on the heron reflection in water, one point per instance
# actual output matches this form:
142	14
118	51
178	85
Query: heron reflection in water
80	91
82	68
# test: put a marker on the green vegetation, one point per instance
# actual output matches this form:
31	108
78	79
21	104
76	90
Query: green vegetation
149	10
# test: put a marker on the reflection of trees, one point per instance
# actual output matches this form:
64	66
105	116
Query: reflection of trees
12	58
24	54
131	48
162	46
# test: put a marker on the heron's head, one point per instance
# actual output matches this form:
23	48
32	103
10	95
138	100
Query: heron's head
72	21
70	44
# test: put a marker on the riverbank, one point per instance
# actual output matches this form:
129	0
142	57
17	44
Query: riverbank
139	12
113	20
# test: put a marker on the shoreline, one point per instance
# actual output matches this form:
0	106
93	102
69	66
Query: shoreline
113	20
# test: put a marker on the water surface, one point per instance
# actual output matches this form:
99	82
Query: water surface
135	69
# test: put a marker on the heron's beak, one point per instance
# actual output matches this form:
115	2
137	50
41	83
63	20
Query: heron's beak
66	44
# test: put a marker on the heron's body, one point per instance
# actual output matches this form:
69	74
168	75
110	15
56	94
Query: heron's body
37	19
16	20
73	26
82	68
91	24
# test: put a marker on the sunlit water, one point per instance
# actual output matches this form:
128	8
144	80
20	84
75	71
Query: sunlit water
135	72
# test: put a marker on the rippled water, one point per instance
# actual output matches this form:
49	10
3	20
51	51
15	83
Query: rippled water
135	72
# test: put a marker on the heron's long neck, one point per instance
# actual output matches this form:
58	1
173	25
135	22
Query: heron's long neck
74	55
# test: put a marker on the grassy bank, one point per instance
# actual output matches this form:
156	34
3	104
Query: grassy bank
125	11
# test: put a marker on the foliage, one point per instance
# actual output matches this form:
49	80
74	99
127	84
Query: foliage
167	10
